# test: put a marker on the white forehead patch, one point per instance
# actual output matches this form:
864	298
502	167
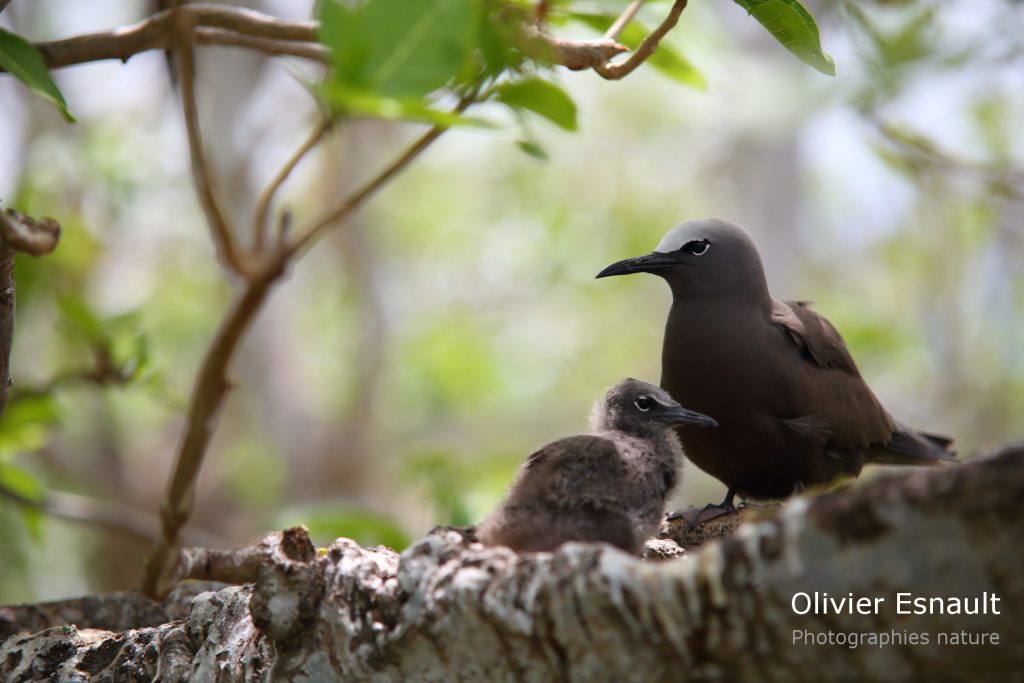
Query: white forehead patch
688	231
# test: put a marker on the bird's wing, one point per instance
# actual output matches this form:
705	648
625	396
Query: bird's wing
837	389
577	467
817	338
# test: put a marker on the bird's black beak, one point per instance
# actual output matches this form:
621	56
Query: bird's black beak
655	262
681	415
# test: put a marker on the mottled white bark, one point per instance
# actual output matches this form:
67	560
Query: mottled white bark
451	610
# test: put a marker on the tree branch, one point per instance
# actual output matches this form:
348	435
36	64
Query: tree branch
280	48
646	49
7	306
230	26
575	55
353	201
21	233
448	609
207	24
17	233
616	29
259	223
242	566
221	230
205	404
921	153
321	223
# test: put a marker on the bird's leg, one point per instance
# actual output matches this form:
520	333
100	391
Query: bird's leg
694	516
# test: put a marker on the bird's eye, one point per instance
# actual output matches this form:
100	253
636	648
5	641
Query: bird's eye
643	403
697	247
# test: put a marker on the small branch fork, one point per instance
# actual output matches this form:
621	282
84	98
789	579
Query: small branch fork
616	71
263	262
260	269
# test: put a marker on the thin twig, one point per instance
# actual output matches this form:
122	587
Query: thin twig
106	514
263	204
353	201
205	404
646	49
102	374
285	48
923	153
223	234
616	29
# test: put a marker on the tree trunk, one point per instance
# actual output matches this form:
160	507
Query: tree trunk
448	609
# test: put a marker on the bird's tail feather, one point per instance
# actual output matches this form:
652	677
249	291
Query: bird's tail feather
910	447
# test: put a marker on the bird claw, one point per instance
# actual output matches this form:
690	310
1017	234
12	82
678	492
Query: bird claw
694	516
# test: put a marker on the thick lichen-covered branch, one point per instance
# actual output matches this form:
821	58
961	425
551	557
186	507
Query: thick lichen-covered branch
448	609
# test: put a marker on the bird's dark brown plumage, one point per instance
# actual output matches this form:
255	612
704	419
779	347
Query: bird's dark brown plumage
792	407
608	486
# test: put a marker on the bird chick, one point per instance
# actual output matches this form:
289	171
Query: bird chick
611	485
792	406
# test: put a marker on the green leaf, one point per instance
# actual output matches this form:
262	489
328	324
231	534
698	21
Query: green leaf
794	27
24	483
340	31
361	102
533	148
399	48
675	66
26	424
82	318
541	97
22	59
126	343
497	43
666	59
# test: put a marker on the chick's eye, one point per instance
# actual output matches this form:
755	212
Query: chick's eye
697	247
643	403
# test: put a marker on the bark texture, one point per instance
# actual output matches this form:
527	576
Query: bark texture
17	233
448	609
6	319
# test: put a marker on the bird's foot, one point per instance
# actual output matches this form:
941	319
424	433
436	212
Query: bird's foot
758	508
695	516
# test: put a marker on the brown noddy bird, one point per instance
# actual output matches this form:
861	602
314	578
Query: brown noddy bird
608	486
791	405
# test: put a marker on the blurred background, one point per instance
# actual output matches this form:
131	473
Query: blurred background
413	359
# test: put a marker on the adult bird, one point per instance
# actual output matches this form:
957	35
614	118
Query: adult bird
792	407
611	485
